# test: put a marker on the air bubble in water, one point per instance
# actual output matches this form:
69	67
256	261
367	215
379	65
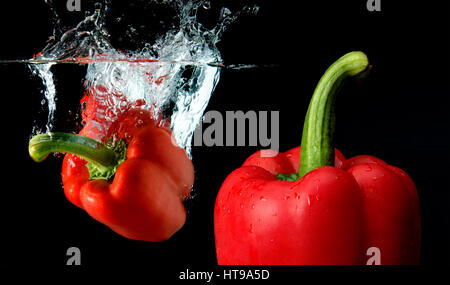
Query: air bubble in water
206	5
225	12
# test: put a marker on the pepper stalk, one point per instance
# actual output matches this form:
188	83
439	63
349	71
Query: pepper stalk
103	159
317	148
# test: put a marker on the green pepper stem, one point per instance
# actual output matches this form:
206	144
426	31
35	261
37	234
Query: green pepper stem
40	146
317	139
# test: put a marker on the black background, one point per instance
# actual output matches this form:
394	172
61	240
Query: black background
399	113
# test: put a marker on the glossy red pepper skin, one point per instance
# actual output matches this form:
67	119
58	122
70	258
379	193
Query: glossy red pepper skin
332	215
145	199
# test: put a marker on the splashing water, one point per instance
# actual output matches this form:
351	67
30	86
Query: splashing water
172	76
46	75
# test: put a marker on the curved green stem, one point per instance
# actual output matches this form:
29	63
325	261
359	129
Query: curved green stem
317	139
103	157
318	130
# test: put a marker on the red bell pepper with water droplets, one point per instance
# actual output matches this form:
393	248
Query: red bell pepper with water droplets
136	183
312	206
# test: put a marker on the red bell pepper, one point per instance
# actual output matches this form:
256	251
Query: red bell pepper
126	173
313	206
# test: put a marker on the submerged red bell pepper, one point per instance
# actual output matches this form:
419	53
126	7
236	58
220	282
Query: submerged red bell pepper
127	173
312	206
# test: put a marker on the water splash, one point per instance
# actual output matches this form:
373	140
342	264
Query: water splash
43	71
173	76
